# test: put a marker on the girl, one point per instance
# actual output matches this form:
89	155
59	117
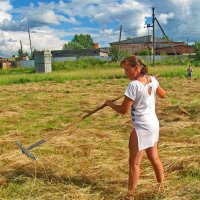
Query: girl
140	97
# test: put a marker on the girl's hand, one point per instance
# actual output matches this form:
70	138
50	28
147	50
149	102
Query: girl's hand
109	103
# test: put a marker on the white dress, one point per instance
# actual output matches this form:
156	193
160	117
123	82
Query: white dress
144	118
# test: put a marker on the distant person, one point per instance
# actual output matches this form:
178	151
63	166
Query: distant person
189	71
140	97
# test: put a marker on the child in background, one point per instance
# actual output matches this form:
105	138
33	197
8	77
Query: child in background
189	70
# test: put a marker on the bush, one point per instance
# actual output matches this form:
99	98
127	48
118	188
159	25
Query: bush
118	55
196	60
83	63
144	52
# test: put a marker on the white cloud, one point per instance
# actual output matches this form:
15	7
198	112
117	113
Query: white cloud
5	7
42	38
37	16
45	38
181	2
107	32
43	14
70	20
100	11
163	18
130	14
99	18
183	5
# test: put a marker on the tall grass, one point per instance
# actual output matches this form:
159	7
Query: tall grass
17	71
84	63
61	76
174	71
170	60
89	68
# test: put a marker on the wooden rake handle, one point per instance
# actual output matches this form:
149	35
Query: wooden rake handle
70	125
99	108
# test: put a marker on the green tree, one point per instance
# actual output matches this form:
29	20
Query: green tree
72	45
197	50
116	54
196	59
21	54
144	52
129	38
166	37
80	42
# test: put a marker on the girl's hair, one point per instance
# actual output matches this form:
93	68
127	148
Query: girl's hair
133	61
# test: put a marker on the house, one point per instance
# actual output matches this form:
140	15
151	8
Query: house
78	53
5	64
134	45
180	49
162	46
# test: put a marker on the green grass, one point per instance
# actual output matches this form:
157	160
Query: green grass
17	71
100	71
61	76
85	63
174	71
90	161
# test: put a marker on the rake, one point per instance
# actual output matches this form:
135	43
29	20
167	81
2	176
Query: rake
27	152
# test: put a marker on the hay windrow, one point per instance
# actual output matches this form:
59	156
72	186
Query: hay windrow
90	161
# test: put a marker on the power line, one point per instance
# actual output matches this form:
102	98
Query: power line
191	7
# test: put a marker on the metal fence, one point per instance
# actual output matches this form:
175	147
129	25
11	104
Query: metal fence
31	63
26	63
162	57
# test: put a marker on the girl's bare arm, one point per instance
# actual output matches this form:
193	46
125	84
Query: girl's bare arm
161	92
123	108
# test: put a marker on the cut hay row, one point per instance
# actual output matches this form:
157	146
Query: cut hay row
91	160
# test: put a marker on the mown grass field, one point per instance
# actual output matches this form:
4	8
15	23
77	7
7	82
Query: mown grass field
90	161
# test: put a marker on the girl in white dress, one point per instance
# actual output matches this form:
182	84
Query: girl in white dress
140	97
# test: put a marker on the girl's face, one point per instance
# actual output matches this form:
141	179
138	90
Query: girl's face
131	72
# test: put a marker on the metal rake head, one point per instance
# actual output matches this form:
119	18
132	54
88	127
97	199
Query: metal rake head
25	151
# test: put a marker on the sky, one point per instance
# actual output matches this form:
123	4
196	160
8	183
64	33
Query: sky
55	22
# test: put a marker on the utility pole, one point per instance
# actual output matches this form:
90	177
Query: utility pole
187	40
20	53
30	41
120	34
165	36
21	46
153	20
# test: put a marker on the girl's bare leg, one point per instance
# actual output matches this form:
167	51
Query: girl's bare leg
135	157
152	154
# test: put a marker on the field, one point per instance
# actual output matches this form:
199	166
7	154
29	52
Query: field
90	160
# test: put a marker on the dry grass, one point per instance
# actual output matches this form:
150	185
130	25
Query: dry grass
89	162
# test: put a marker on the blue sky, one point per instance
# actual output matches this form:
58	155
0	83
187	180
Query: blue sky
55	22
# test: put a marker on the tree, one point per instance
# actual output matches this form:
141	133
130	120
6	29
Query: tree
129	38
80	42
72	45
116	54
166	38
144	52
21	54
196	60
197	50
